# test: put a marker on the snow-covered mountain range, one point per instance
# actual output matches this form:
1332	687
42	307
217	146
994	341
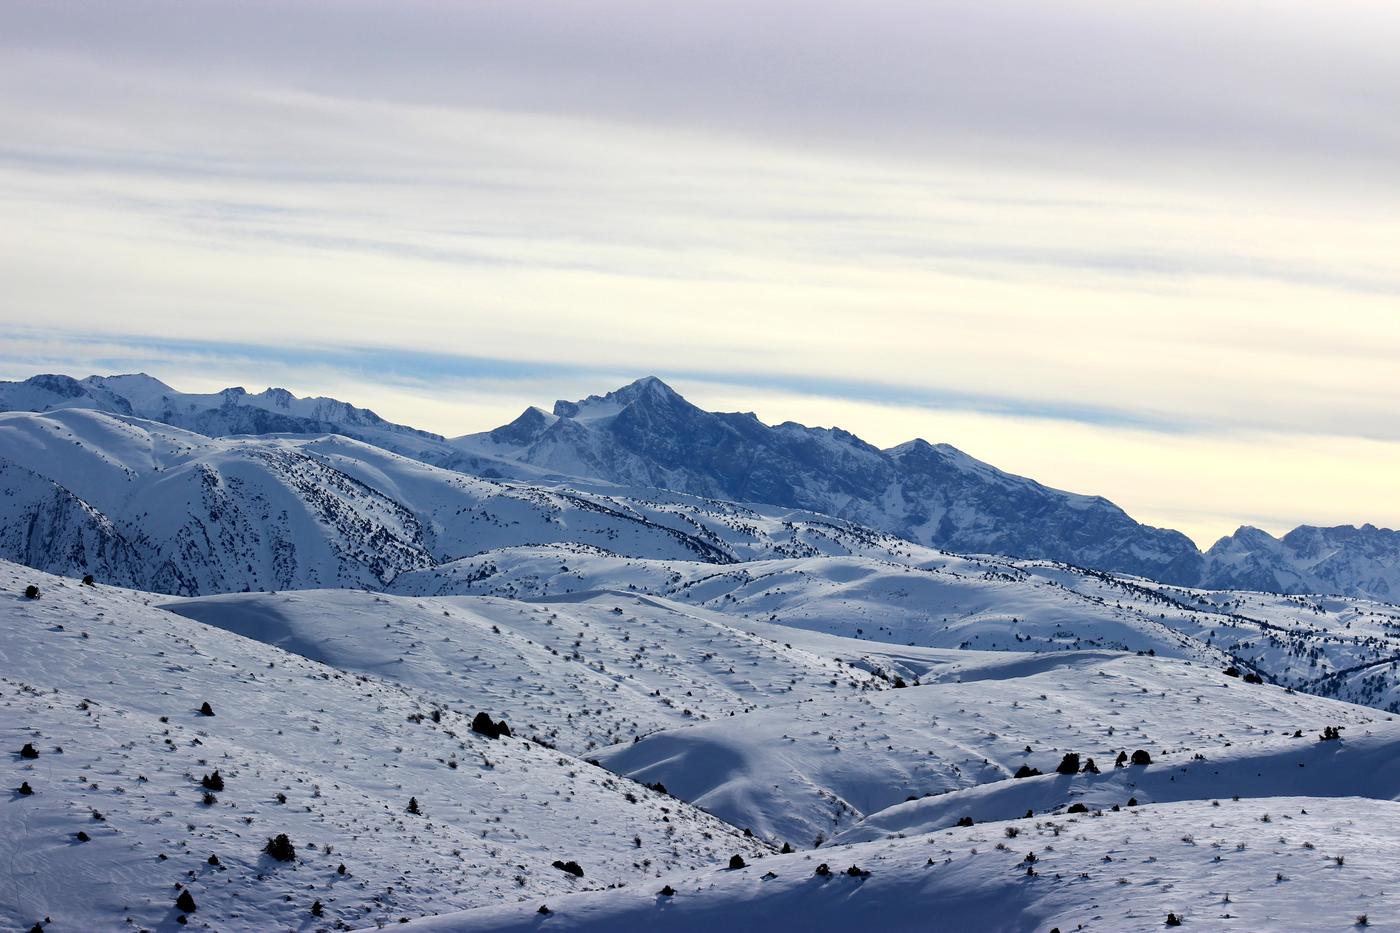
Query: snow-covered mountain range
741	685
646	436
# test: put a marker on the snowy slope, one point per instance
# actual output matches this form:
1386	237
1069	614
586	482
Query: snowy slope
813	770
144	503
108	689
1283	863
1339	647
579	672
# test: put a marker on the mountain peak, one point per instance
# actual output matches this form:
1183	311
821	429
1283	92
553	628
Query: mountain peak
648	388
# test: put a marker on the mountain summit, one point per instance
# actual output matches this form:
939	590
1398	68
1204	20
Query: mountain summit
647	434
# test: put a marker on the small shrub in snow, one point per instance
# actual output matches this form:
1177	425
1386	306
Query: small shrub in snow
1331	734
205	709
1173	920
29	751
1069	764
667	891
82	836
413	806
185	902
24	789
213	781
855	871
737	862
281	848
965	821
1026	771
1077	808
785	850
823	871
1121	760
570	867
31	592
1089	767
1140	757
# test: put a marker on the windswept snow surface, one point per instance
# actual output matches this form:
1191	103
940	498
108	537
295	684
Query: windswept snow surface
808	772
108	690
1278	863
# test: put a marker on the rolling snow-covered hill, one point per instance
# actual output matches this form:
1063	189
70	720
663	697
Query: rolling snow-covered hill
1282	863
140	503
107	689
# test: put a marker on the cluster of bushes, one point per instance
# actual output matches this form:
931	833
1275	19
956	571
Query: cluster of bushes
482	724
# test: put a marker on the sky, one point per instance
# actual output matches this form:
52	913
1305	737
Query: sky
1148	251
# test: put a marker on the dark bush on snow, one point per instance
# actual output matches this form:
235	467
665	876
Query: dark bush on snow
737	862
82	836
570	867
1077	808
899	682
1232	671
413	806
24	789
31	592
1173	920
482	724
658	787
1090	767
823	871
29	751
316	909
965	821
87	580
1329	734
1026	771
855	871
1121	760
1068	764
667	891
785	850
1141	757
185	902
1253	678
213	781
205	709
281	848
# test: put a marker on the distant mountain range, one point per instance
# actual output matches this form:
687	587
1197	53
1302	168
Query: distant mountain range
645	435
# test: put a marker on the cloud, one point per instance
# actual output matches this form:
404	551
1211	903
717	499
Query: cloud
1170	227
